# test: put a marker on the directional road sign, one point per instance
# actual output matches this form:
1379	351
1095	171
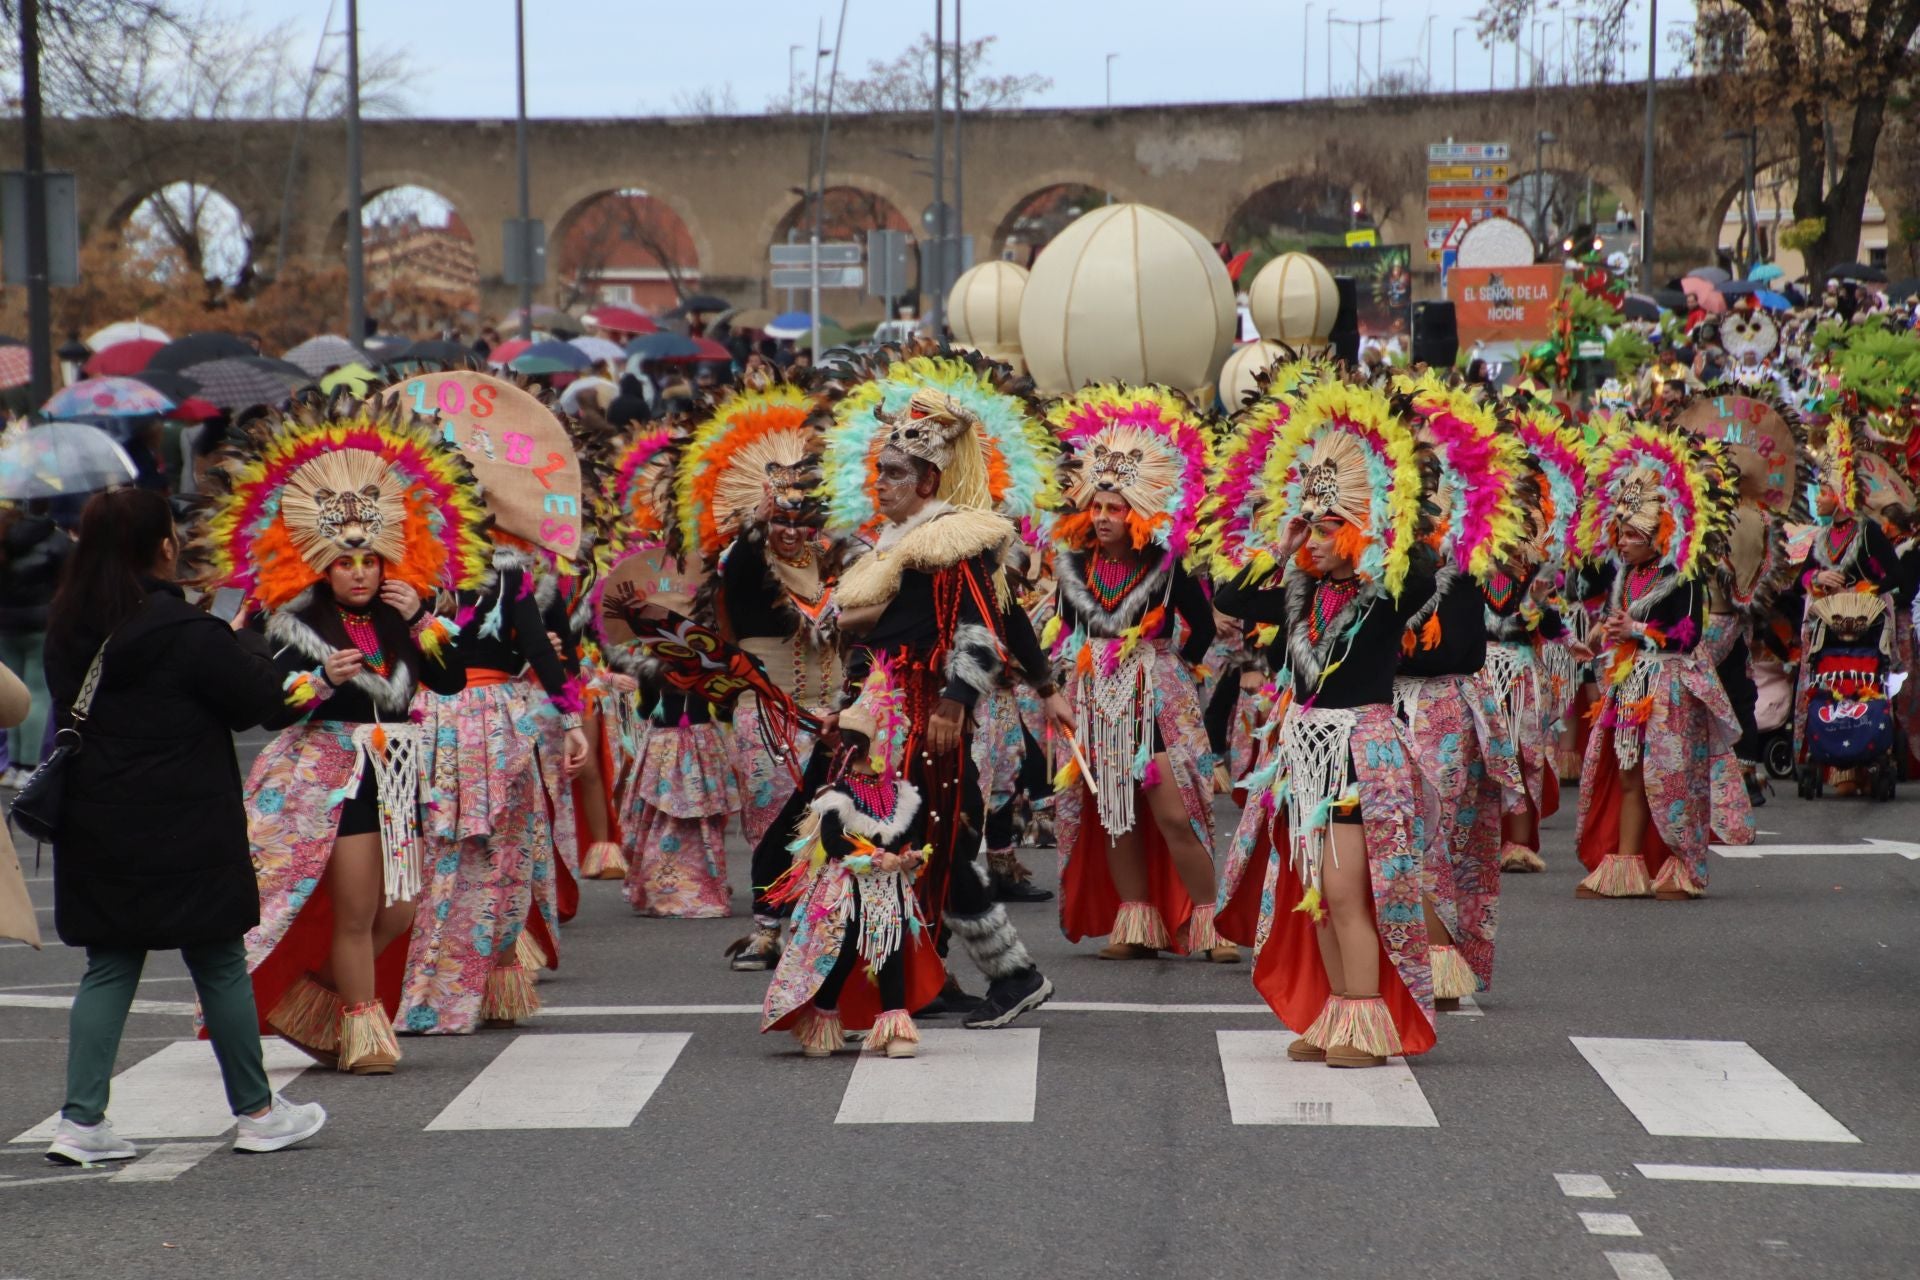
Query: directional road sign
837	254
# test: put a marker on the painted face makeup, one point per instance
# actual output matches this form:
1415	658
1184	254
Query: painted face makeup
356	577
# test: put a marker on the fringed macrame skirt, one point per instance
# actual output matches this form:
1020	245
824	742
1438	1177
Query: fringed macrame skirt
820	934
1518	685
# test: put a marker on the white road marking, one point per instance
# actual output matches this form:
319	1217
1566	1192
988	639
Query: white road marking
166	1162
176	1093
1906	849
1264	1086
53	1178
1609	1224
1781	1177
1469	1008
1708	1089
14	1001
1638	1266
1052	1006
1583	1186
565	1081
960	1077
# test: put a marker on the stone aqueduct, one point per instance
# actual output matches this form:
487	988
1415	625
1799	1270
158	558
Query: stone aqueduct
730	180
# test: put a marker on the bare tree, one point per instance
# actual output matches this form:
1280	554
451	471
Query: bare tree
905	82
594	244
706	101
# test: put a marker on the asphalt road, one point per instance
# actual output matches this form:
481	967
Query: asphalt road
1115	1150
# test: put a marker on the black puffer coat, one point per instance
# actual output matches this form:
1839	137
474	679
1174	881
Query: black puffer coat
153	846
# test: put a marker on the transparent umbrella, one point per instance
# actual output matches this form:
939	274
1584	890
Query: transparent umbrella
60	458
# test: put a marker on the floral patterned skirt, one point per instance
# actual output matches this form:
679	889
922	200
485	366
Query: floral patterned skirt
1088	899
489	858
675	822
766	781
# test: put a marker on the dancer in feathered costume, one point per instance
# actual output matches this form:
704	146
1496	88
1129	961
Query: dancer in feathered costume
1010	724
338	523
1137	477
1851	553
1657	506
862	957
919	459
1341	943
1764	449
499	805
745	488
683	784
1478	482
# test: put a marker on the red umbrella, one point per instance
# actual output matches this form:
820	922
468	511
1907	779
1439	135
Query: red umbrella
194	409
122	359
704	349
622	320
506	352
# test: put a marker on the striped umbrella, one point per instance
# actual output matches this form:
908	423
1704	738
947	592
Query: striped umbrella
239	384
16	367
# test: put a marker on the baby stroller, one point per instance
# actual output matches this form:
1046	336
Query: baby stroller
1773	714
1850	721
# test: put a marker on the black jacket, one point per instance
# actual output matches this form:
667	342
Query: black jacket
30	562
153	845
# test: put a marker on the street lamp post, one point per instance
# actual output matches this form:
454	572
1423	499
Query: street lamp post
356	244
1306	40
820	182
1456	59
520	163
1540	141
1646	153
793	77
1110	58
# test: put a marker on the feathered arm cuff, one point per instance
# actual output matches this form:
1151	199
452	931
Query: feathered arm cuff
307	688
434	633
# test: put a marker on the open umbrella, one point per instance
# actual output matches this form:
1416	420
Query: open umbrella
1900	289
704	304
614	319
1766	271
599	350
750	318
122	358
194	409
239	384
174	386
199	348
61	458
1864	272
1639	306
1772	301
551	357
663	346
605	389
793	324
1736	288
1713	275
327	351
106	398
437	351
382	347
126	331
502	354
544	317
831	335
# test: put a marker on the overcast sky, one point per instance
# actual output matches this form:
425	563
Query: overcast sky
632	57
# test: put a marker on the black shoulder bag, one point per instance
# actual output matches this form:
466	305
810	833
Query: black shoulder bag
36	809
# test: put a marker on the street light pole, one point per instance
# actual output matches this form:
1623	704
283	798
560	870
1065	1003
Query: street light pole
939	291
1110	58
356	235
1646	154
520	164
793	78
1329	51
820	182
1306	42
1456	58
959	149
1540	141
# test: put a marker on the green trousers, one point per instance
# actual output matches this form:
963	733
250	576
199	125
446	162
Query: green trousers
99	1015
24	653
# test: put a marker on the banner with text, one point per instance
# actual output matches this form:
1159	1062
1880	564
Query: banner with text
1503	304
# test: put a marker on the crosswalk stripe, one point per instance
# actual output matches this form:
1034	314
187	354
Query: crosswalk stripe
1781	1177
1264	1086
566	1081
960	1077
1708	1089
166	1162
176	1093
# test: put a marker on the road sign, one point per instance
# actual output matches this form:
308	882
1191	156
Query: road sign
830	277
1456	152
887	264
63	227
1440	195
837	254
1469	172
1450	214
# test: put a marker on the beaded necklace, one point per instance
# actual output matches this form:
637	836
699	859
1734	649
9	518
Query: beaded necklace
1330	597
872	796
1111	579
360	630
1640	580
1838	536
1500	590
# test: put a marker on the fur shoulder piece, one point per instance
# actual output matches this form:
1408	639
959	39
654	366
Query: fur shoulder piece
1098	620
906	805
927	543
389	693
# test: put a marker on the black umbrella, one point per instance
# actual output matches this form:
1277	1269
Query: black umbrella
1638	306
286	370
1907	288
1858	271
1736	288
448	355
240	384
1673	300
198	348
174	386
705	303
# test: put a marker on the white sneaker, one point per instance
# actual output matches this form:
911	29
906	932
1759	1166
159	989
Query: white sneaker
88	1144
284	1124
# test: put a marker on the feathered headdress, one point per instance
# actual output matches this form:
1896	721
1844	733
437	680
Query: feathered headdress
756	452
1483	476
1002	461
1234	495
1145	444
338	478
1838	463
880	713
1668	485
1560	453
642	476
1343	451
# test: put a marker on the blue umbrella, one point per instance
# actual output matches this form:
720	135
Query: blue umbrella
794	324
663	346
1773	301
1736	288
1765	271
551	356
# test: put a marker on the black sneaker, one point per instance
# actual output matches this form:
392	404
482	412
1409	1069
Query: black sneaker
1008	998
952	999
757	952
1016	889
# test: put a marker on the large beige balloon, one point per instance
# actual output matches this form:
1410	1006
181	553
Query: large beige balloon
1294	300
1128	293
983	309
1240	375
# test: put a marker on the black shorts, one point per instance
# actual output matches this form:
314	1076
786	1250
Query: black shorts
360	815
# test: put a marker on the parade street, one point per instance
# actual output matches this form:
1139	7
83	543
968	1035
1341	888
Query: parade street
1703	1090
